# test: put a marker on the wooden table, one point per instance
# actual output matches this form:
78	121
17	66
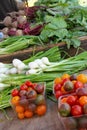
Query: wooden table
49	121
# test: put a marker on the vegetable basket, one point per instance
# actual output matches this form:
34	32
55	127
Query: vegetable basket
29	100
71	122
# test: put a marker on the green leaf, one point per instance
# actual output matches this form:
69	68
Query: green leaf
57	22
75	42
61	33
44	35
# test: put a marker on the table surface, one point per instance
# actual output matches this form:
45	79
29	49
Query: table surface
49	121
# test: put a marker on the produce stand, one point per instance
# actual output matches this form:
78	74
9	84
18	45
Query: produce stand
65	44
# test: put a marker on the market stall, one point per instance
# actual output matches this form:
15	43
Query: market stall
43	57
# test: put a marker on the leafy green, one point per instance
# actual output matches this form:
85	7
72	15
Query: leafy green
56	27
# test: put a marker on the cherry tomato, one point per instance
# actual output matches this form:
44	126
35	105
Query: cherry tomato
58	94
71	100
23	87
76	110
57	87
29	83
15	92
64	80
78	84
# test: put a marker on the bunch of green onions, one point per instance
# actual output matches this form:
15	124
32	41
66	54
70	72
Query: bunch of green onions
16	43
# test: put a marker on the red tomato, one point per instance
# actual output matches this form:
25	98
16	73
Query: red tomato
58	94
57	87
29	83
23	87
78	84
15	92
64	80
76	110
71	100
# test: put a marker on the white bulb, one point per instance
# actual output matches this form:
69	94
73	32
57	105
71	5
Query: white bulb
38	61
21	66
16	62
45	60
33	65
13	70
31	71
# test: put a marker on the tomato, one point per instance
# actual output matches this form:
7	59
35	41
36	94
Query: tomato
57	80
64	76
76	110
23	87
83	100
71	100
63	91
64	100
57	87
78	84
82	78
64	109
29	83
15	92
64	80
58	94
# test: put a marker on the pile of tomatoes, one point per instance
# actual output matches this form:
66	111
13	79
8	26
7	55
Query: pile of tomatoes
29	99
71	92
67	84
73	111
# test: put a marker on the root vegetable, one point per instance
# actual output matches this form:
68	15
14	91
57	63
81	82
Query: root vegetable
15	24
22	19
7	21
5	30
19	32
12	32
21	12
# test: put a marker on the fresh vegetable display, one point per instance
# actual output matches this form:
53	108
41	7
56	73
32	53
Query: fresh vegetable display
29	99
67	84
56	68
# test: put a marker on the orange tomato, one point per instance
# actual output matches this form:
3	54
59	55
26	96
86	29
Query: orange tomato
19	109
82	78
73	81
21	115
41	110
63	100
83	100
65	76
63	90
15	100
28	114
57	80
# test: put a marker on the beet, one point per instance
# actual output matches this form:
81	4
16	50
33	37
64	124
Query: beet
7	21
31	11
11	32
36	30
